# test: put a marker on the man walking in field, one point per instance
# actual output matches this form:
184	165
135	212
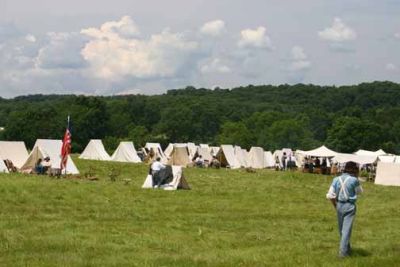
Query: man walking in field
343	195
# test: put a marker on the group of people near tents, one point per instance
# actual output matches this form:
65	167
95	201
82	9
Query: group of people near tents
44	158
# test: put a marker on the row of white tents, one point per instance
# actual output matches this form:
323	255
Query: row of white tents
183	154
234	157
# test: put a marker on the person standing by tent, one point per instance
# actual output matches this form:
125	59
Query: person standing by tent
343	195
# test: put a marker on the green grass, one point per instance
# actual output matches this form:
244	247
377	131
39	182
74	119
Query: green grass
229	218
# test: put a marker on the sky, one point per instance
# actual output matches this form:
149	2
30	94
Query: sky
147	47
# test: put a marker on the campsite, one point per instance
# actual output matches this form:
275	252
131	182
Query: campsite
199	133
229	218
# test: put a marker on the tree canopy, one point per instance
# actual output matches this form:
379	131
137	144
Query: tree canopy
345	118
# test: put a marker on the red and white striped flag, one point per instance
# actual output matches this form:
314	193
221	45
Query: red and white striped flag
66	147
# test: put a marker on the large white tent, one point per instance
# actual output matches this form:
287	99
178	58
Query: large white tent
95	151
388	174
14	151
126	152
377	153
226	157
388	158
179	181
255	158
321	152
48	148
359	159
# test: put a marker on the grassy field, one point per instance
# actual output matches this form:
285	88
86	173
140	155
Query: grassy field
229	218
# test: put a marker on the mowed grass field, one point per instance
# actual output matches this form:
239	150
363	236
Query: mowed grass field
229	218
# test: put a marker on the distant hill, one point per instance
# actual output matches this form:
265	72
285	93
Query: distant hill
345	118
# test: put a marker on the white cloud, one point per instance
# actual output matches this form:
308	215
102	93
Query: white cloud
391	67
114	56
338	32
30	38
397	35
255	38
125	28
61	51
299	59
214	66
213	28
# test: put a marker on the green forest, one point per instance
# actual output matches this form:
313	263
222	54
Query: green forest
344	118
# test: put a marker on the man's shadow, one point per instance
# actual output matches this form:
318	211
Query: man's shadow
359	252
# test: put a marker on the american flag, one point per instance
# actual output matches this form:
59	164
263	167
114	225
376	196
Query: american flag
66	147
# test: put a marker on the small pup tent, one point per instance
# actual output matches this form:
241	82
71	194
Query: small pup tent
241	157
255	158
178	182
205	153
95	151
3	167
16	152
48	148
269	160
388	174
226	157
180	156
154	150
126	152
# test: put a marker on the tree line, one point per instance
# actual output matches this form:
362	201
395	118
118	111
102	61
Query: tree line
344	118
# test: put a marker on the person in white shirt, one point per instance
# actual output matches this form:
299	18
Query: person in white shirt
156	172
157	166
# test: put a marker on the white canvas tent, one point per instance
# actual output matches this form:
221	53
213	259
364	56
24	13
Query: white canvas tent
126	152
377	153
3	167
241	157
255	158
214	150
388	174
192	149
359	159
179	181
226	157
204	146
388	159
48	148
95	151
269	160
321	152
180	156
205	153
168	150
16	152
157	150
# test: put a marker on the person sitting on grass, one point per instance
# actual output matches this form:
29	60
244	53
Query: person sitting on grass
42	166
199	161
343	195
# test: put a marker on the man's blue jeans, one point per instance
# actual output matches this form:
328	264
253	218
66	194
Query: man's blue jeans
346	213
